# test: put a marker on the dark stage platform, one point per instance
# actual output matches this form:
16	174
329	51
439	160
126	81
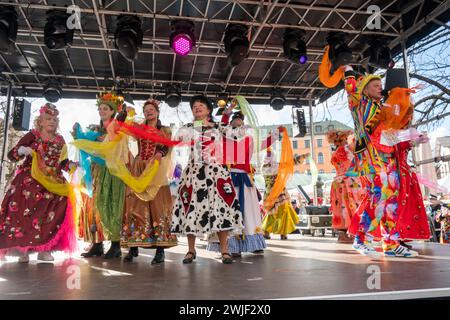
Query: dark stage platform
299	268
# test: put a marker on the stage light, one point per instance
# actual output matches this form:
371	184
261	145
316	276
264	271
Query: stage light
277	100
128	36
380	54
56	34
182	37
8	29
173	95
52	91
294	46
236	43
340	54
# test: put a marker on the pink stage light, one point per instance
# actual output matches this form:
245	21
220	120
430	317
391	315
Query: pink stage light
182	44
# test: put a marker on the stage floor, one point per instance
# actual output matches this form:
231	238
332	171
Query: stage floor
301	267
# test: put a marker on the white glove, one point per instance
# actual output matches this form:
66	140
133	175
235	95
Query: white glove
423	138
72	165
24	151
348	68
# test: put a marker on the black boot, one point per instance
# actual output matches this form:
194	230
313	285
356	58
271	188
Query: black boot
159	256
95	251
114	251
132	253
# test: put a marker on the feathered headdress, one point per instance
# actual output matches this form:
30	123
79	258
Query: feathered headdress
337	137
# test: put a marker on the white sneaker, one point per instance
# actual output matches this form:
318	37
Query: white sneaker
401	251
367	250
45	256
25	258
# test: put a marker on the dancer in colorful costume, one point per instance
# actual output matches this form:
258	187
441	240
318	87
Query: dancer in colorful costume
346	192
89	225
35	213
108	190
148	215
238	155
378	168
396	118
376	165
280	217
206	200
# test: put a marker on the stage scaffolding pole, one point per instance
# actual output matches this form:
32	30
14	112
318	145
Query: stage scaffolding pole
5	138
313	154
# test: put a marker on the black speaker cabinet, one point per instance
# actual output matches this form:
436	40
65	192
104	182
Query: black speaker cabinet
395	78
21	115
301	122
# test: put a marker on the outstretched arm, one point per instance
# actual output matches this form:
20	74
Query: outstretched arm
22	148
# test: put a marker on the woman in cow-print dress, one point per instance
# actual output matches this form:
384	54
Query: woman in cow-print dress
206	201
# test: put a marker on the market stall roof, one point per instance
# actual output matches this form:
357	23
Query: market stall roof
93	62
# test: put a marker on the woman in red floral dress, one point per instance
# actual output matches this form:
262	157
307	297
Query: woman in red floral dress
31	217
412	221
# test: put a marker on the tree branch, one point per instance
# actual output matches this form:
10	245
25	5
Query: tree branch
432	82
436	97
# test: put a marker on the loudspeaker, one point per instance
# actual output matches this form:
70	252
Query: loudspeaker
395	78
21	115
301	122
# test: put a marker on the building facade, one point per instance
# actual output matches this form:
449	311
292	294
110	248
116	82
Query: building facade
442	149
322	150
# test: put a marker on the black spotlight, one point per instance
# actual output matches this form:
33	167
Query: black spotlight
340	54
56	34
128	36
380	54
52	91
182	37
236	43
277	100
173	95
8	29
294	46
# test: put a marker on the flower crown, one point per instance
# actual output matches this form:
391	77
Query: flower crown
50	109
112	99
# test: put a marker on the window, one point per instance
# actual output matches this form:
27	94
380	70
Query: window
321	171
295	144
330	127
308	172
333	171
319	143
320	158
318	129
307	144
307	160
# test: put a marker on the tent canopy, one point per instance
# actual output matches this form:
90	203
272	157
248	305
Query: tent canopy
93	63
